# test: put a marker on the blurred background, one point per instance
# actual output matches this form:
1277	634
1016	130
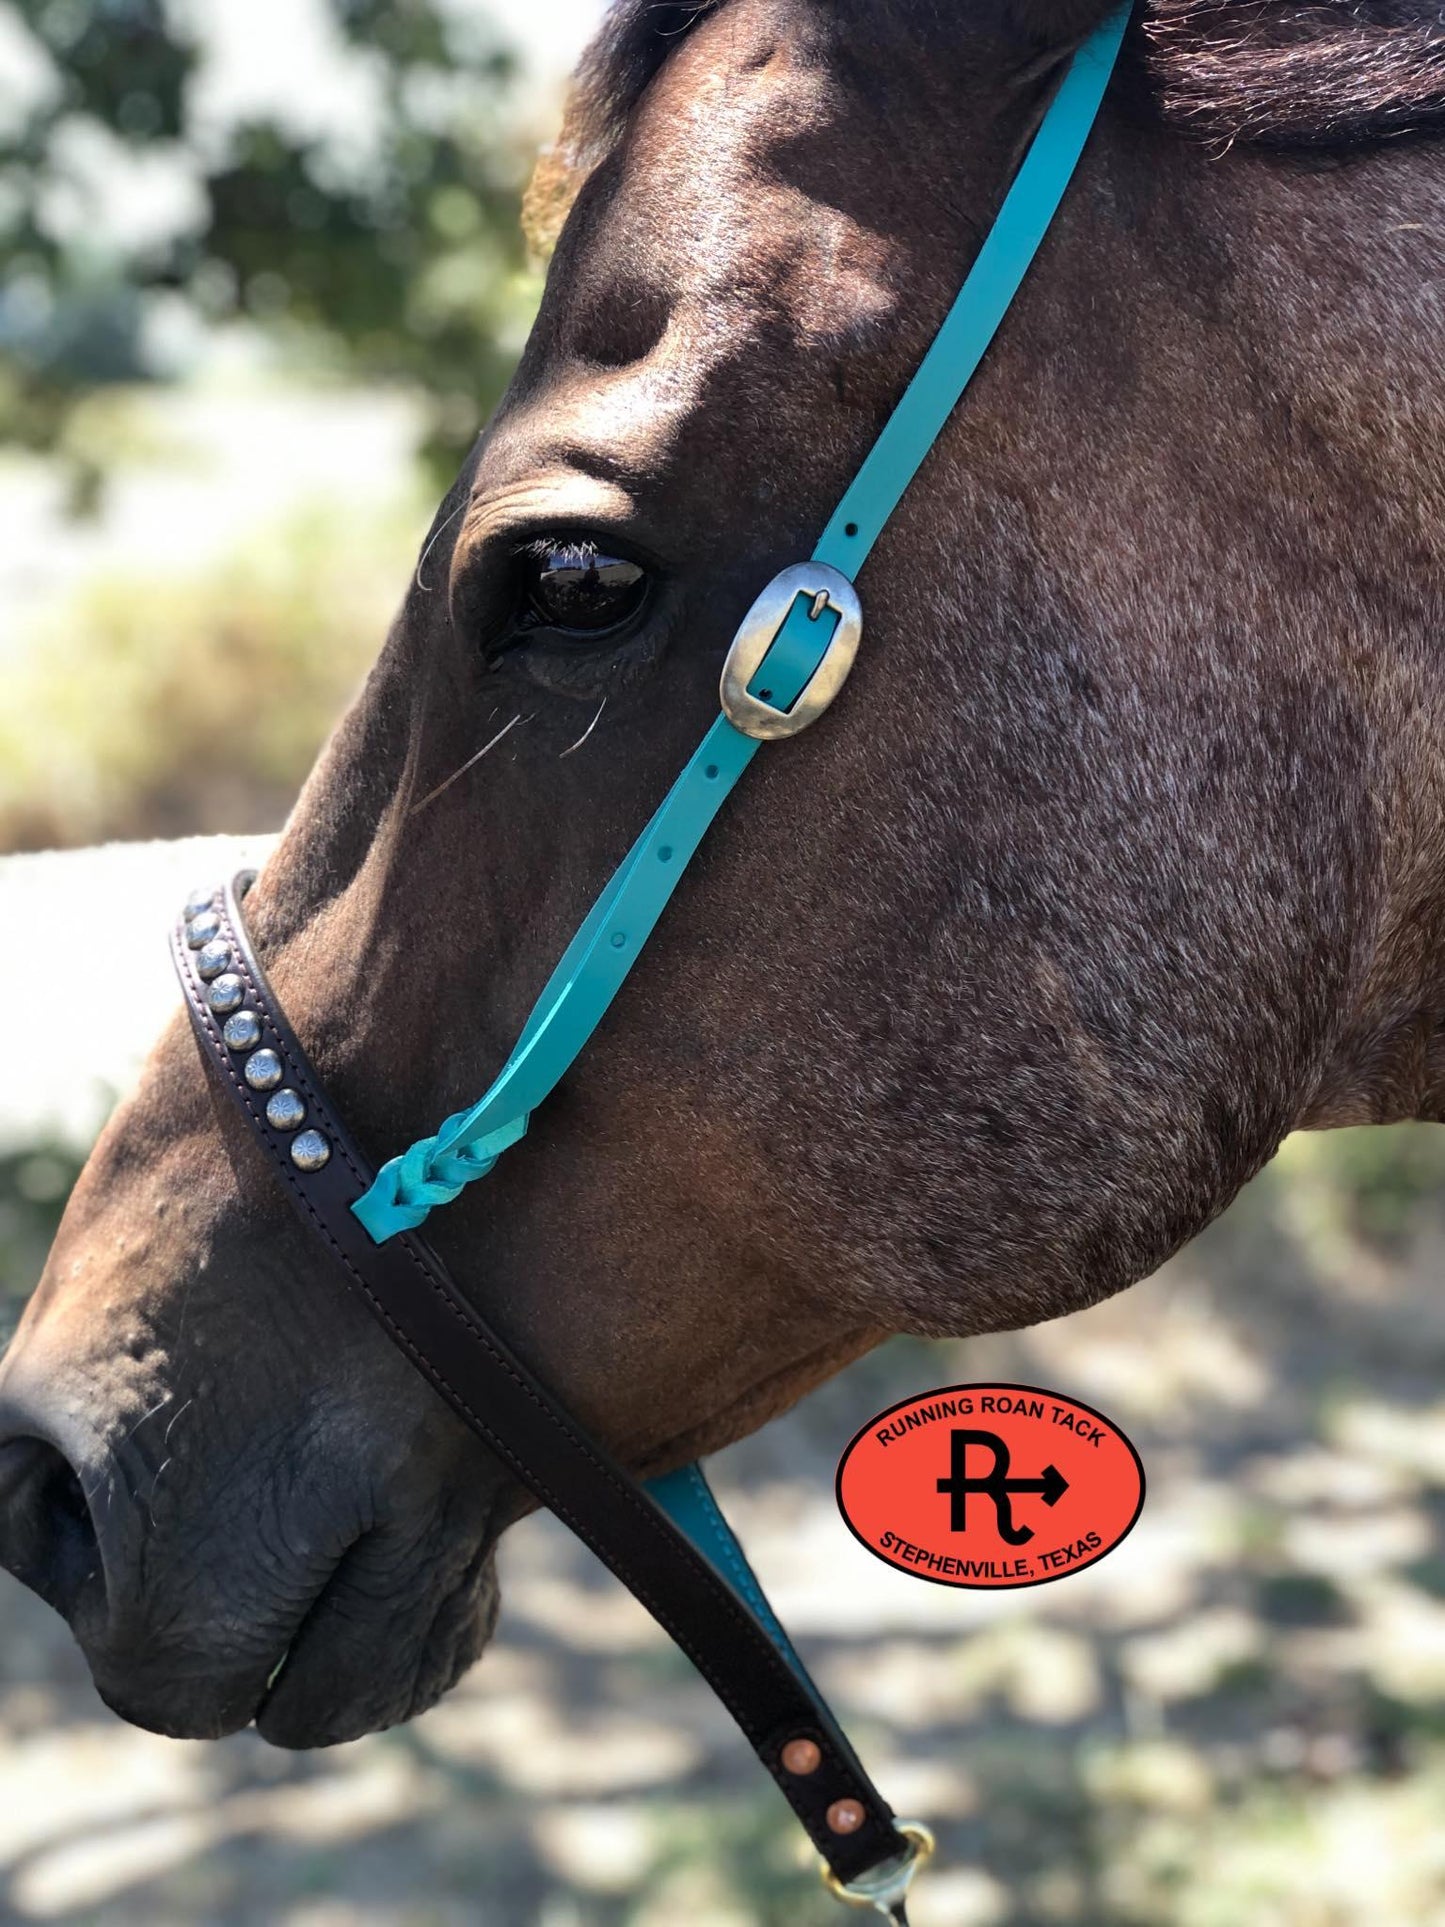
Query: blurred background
260	280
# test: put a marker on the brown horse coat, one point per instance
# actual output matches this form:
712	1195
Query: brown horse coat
1120	857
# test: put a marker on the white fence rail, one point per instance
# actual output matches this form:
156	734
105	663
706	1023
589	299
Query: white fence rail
85	978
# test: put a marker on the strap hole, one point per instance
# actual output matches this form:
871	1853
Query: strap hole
711	772
850	528
664	855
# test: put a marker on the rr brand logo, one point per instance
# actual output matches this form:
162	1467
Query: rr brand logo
953	1485
998	1485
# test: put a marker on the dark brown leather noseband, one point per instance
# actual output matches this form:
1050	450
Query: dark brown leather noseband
260	1064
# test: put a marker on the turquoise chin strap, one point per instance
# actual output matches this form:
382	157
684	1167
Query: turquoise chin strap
790	656
599	957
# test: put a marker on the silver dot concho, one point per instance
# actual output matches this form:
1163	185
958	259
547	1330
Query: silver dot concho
241	1031
285	1111
309	1151
211	959
226	994
201	929
262	1069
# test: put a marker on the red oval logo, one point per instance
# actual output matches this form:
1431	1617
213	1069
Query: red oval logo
990	1485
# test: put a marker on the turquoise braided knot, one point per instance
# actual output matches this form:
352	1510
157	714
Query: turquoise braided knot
410	1186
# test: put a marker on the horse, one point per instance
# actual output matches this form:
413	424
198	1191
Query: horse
1121	856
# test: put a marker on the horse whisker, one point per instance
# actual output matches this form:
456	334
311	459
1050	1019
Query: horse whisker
160	1405
586	732
435	537
432	795
155	1487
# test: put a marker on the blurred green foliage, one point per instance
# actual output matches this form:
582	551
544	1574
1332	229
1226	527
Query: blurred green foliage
34	1185
189	701
403	263
1382	1178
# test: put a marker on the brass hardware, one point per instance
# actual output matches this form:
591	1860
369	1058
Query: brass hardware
883	1887
826	588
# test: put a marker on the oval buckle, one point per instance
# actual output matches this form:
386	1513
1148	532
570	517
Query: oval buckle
834	601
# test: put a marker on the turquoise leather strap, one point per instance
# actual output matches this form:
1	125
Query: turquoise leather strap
687	1499
599	957
972	322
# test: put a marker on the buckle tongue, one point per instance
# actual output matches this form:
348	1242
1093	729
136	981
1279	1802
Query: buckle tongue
831	600
885	1887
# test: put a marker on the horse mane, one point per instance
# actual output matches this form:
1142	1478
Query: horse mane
1297	73
1277	73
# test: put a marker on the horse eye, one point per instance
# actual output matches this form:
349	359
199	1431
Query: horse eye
575	586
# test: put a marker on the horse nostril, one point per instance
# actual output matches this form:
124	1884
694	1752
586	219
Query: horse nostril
47	1538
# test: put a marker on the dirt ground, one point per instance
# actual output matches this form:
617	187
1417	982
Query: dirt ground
1237	1720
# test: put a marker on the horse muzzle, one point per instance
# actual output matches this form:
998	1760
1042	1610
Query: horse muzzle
304	1584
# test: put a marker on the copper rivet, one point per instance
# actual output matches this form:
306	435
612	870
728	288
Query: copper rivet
846	1816
802	1756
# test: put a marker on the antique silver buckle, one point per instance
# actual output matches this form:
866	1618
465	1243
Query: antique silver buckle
827	589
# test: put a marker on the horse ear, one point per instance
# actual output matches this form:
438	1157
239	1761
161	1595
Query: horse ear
632	44
562	167
555	184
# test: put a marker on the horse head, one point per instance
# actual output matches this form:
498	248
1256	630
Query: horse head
1117	859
